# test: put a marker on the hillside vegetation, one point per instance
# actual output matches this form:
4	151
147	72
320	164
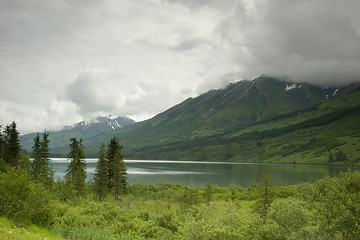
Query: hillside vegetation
264	120
308	136
254	121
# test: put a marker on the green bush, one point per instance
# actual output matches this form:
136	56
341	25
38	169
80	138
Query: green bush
336	202
21	199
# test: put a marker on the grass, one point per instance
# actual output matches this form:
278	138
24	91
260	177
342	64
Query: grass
9	231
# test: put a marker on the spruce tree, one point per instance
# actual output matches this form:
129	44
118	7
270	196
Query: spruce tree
112	149
119	178
101	180
266	196
1	143
41	169
45	148
76	172
36	164
3	165
116	168
11	145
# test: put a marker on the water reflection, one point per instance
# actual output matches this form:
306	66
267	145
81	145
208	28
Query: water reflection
200	173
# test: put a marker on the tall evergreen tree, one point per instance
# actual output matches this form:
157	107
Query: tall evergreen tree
112	149
119	178
3	165
36	164
11	145
1	143
266	196
76	172
41	169
101	180
45	147
116	168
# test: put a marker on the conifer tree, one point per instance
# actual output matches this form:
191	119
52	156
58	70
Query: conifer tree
119	178
1	143
112	149
101	180
36	164
116	168
45	147
266	196
76	172
11	152
3	165
41	169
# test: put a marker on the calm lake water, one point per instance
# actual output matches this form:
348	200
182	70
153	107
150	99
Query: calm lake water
198	174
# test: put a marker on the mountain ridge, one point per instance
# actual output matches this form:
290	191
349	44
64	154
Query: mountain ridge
83	129
331	129
236	123
219	111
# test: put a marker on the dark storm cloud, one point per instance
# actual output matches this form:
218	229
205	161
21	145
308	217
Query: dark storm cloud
314	41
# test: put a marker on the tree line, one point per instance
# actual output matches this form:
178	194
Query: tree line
110	174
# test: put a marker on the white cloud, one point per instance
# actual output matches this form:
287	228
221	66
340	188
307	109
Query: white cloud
94	92
62	61
313	41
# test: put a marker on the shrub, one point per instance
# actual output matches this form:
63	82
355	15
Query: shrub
21	199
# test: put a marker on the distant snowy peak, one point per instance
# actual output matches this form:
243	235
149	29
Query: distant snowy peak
114	116
101	123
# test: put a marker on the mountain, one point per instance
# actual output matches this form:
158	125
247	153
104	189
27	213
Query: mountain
326	133
98	125
84	130
213	115
264	120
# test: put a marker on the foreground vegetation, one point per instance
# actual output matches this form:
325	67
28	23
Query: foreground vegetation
33	206
327	209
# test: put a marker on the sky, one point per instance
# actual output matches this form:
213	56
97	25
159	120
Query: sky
65	61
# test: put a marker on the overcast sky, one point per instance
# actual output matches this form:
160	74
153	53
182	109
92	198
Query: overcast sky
63	61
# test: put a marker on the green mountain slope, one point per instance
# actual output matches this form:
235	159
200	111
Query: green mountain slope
309	136
235	108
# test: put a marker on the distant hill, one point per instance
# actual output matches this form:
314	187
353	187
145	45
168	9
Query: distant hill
84	129
192	129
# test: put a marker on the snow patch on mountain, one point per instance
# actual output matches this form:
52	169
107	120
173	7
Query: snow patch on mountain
335	92
292	86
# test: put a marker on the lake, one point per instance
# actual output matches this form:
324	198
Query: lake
198	174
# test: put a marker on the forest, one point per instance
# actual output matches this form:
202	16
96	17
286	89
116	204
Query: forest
34	206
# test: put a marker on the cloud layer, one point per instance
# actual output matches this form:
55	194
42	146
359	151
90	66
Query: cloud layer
64	61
